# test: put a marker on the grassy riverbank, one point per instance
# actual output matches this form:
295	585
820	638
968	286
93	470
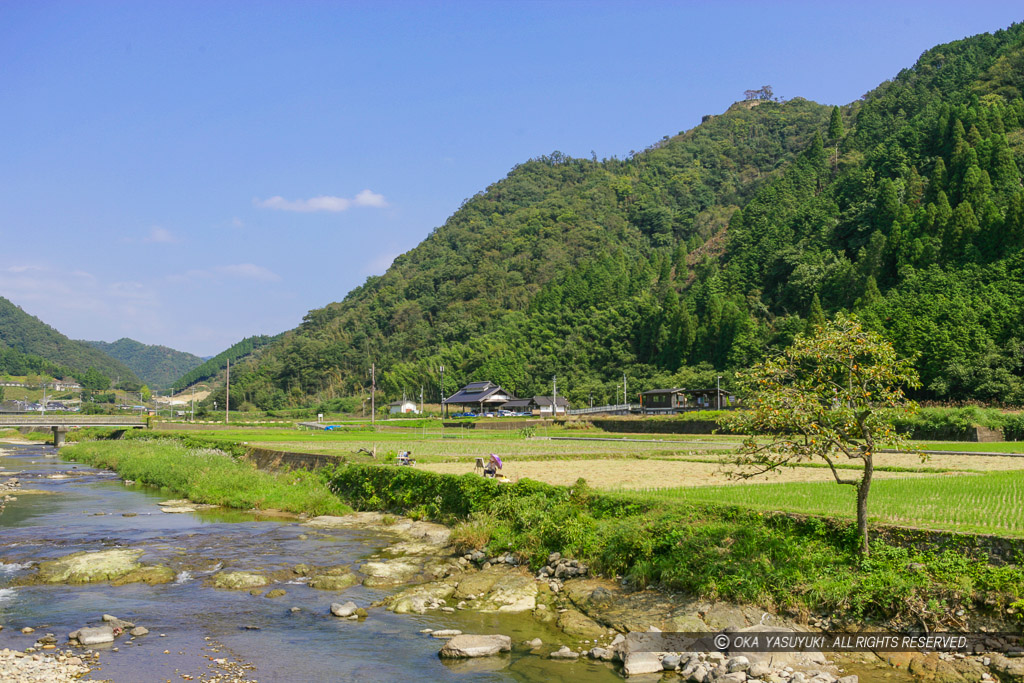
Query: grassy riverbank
715	551
702	547
209	476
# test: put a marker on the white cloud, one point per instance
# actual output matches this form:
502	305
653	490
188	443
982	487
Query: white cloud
249	271
75	301
160	235
368	198
236	271
365	198
236	222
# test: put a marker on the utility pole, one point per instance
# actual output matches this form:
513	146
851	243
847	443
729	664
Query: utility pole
718	391
373	396
193	403
554	396
441	368
227	395
625	398
421	399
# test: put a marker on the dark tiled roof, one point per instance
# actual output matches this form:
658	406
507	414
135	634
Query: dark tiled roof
546	401
663	391
518	403
707	392
475	392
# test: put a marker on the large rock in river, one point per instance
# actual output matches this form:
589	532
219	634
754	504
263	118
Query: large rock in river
93	635
89	567
513	592
575	623
334	582
389	573
238	580
418	599
475	646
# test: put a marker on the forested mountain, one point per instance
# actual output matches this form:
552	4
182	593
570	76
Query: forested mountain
212	367
712	248
28	345
157	366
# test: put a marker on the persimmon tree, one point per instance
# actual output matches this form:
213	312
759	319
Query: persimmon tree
834	396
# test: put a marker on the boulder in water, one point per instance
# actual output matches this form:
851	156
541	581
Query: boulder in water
463	646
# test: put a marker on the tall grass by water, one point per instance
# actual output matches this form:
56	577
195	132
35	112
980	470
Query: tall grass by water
209	476
980	503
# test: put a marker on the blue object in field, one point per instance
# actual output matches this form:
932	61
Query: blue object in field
328	428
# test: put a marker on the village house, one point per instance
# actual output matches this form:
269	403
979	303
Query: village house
657	401
479	398
402	407
666	401
544	406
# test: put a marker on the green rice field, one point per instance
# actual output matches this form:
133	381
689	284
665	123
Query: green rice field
980	503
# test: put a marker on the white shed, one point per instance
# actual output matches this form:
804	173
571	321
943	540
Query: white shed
403	406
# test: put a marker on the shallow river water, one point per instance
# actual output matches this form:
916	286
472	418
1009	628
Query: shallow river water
84	509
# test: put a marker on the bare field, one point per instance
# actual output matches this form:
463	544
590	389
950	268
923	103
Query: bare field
508	447
642	474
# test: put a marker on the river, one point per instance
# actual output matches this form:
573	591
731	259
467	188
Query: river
79	508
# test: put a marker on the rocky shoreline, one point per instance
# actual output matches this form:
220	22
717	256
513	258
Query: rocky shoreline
592	615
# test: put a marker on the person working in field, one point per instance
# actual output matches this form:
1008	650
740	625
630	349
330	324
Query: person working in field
492	466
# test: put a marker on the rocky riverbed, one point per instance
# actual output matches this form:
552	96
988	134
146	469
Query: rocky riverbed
194	587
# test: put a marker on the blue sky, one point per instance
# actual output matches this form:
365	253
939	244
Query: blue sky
191	173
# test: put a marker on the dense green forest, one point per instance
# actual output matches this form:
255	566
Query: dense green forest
157	366
28	345
710	249
212	367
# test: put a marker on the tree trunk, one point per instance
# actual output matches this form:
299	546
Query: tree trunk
862	504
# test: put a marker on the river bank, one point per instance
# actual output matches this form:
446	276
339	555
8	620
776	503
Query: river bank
500	583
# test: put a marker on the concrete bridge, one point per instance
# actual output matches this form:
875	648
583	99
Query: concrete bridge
60	424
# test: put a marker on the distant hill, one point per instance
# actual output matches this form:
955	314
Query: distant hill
27	339
157	366
212	367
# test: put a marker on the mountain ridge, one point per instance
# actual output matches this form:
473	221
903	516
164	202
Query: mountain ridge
156	365
709	249
25	337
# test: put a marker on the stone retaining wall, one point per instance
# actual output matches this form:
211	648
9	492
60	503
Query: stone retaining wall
266	459
649	426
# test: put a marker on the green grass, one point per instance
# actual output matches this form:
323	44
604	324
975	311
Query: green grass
209	476
973	446
715	551
991	503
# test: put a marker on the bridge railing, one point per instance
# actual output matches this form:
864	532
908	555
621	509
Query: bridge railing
622	407
71	421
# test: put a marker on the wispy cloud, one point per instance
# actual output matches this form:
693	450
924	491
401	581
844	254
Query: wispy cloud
234	271
249	271
76	300
366	198
160	235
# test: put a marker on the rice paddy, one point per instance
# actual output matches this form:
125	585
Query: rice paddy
962	492
979	503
